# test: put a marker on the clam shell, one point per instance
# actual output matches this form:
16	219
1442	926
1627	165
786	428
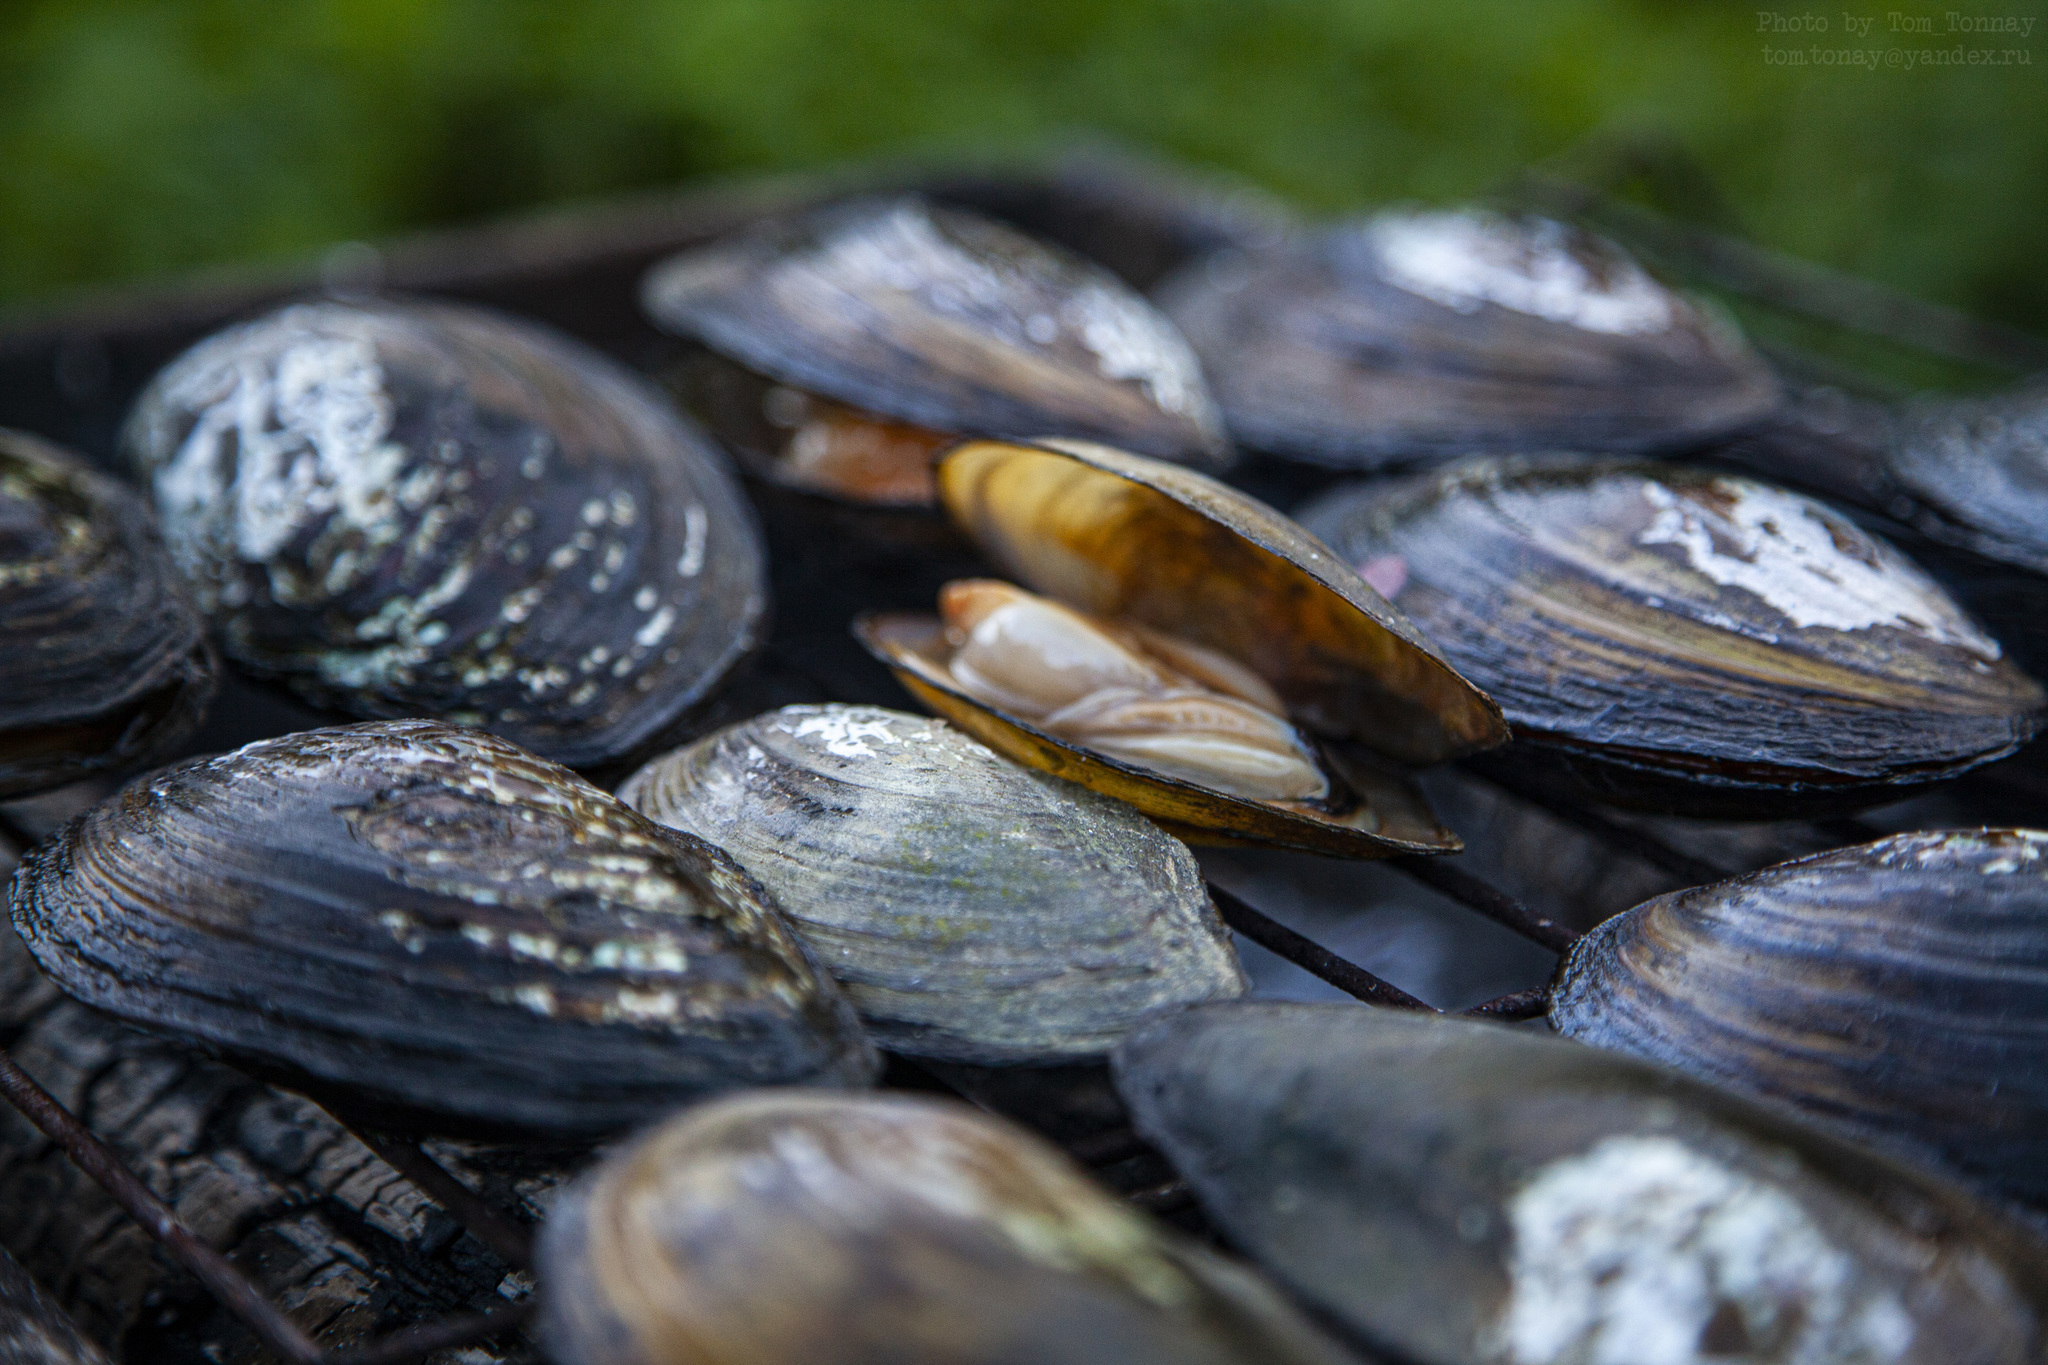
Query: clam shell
412	508
1415	334
104	664
947	320
1467	1192
1123	536
973	910
1894	988
1687	642
782	1227
423	920
1979	470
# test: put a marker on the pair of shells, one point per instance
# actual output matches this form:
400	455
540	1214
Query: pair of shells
1687	642
1425	334
407	509
841	349
1474	1194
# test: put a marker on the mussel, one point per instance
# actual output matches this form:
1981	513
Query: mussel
415	919
1684	642
1474	1194
1894	988
104	664
973	910
784	1227
840	350
1182	614
34	1331
423	508
1417	334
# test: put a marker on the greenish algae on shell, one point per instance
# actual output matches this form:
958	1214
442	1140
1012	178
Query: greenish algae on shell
411	508
1899	989
974	910
1475	1194
411	918
786	1228
104	665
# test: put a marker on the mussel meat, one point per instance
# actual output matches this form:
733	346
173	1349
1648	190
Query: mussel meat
412	918
1684	642
842	349
1415	334
1474	1194
973	910
413	508
784	1227
1894	988
104	664
1200	656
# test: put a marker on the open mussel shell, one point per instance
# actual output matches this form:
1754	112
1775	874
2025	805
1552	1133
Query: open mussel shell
922	322
1415	334
1685	642
1470	1193
1893	988
413	508
974	910
1125	537
785	1228
414	919
104	664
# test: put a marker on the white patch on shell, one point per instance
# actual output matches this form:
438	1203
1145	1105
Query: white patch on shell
309	442
2018	850
1629	1253
1132	341
1813	568
1466	260
842	734
696	527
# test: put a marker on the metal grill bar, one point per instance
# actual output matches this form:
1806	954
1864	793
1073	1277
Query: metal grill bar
510	1241
1469	891
1309	955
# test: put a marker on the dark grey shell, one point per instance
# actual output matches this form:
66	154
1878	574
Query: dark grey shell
416	918
883	1230
34	1331
974	910
104	664
411	508
1898	988
1687	642
1472	1193
947	320
1978	468
1417	334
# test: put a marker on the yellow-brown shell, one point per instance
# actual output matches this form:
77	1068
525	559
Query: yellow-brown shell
1123	536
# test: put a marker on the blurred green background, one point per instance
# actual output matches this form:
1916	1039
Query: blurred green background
142	138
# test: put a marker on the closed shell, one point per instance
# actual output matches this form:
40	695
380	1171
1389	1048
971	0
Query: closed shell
104	664
1473	1194
781	1228
1442	333
946	320
426	921
973	910
1687	642
1895	988
411	508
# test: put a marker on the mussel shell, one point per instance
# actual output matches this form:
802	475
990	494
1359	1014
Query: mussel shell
34	1331
1411	335
780	1227
413	508
426	921
1123	536
947	320
1894	988
1468	1192
104	664
973	910
1686	642
1978	468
